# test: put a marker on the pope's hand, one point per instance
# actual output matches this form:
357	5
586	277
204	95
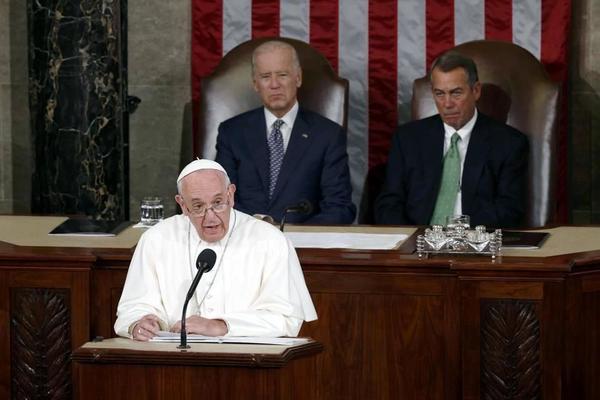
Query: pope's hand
146	328
202	326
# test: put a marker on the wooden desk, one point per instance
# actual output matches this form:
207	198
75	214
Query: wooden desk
392	325
124	369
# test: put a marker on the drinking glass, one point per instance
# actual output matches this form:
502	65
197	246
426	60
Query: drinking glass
151	211
453	221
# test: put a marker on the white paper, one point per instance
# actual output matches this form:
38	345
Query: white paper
172	337
345	240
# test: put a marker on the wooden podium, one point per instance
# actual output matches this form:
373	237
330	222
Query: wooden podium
124	369
393	325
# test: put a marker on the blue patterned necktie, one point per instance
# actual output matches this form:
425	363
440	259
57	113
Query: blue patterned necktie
449	186
275	142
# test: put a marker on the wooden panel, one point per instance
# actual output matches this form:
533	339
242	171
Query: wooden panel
45	314
5	377
512	345
512	290
40	343
372	282
552	330
296	380
591	283
384	346
591	345
107	285
510	350
393	326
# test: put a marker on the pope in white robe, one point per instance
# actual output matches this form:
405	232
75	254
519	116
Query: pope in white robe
255	288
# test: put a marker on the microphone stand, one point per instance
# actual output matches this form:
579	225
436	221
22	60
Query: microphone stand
282	223
183	338
304	207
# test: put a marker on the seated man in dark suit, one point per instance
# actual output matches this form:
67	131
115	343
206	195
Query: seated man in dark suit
459	161
281	154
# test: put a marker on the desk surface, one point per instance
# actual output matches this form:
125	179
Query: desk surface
120	350
33	231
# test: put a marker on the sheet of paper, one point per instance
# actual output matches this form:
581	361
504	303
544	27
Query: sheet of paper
337	240
171	337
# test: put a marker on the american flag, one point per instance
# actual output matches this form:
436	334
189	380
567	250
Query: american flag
381	46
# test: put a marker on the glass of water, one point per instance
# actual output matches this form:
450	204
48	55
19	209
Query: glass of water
151	210
454	221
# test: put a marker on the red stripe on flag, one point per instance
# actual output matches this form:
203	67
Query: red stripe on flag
265	18
498	20
207	39
439	28
383	64
324	29
206	47
556	17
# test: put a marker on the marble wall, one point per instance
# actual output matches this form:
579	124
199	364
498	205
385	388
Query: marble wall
159	74
76	91
15	136
6	191
584	113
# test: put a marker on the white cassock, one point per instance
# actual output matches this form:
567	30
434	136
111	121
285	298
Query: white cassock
256	285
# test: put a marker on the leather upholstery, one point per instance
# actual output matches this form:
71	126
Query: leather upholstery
228	91
517	90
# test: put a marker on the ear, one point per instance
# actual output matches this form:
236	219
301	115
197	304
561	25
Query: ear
299	78
477	90
179	201
254	84
231	193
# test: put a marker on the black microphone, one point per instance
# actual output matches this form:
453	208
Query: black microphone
303	207
204	263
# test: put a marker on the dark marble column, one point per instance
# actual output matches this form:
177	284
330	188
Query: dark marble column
77	87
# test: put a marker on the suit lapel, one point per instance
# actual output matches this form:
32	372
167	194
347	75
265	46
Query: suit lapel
300	141
474	161
433	154
256	140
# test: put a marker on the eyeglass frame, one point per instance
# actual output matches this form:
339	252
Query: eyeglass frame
204	208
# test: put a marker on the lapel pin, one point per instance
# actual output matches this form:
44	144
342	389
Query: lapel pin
305	135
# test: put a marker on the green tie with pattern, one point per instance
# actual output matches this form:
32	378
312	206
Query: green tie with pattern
449	186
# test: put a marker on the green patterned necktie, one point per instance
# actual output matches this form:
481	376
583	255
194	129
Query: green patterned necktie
449	186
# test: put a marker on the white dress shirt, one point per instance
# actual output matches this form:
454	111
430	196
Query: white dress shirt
463	144
288	123
256	285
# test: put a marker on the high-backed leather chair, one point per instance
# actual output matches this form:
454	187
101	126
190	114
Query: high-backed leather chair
228	91
517	90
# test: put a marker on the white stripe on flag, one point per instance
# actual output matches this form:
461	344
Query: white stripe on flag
411	52
527	25
294	19
353	64
469	21
237	23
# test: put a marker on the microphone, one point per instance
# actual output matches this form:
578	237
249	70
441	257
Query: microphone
204	263
303	207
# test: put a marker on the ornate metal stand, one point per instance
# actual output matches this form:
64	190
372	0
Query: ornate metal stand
459	239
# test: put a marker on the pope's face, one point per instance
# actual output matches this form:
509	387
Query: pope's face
277	80
205	190
454	98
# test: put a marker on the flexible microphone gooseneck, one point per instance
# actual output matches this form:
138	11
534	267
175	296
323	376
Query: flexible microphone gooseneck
303	207
204	263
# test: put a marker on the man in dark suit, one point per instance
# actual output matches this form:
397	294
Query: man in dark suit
281	154
459	161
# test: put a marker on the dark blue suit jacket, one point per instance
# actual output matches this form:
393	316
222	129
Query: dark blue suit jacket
315	168
493	183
